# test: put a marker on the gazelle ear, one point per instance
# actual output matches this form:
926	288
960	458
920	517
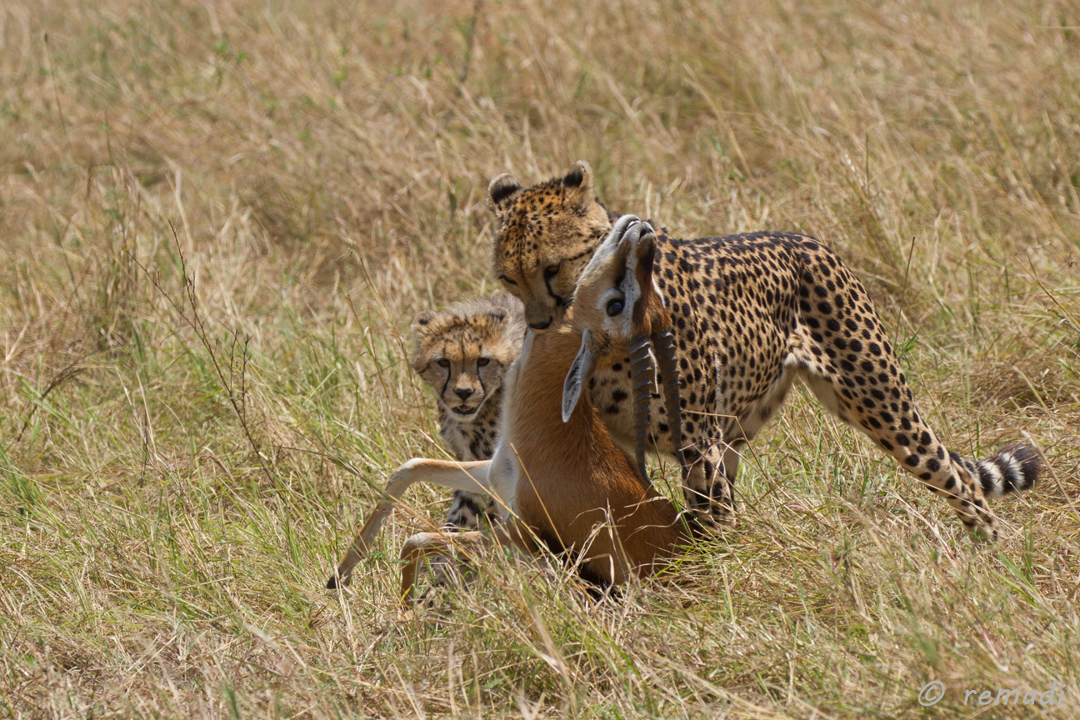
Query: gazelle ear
578	376
501	191
578	186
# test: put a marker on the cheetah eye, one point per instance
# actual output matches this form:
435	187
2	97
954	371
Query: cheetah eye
551	271
507	280
483	361
443	362
614	308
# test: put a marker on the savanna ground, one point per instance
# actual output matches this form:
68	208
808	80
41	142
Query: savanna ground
217	220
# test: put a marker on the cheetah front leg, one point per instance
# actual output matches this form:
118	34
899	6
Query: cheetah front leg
709	489
468	510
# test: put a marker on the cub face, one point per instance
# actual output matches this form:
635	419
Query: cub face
463	352
547	233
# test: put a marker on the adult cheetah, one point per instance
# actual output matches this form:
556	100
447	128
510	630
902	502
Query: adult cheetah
751	313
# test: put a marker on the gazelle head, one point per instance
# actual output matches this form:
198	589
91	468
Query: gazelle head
619	311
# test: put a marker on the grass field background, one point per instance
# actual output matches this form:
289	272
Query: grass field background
217	220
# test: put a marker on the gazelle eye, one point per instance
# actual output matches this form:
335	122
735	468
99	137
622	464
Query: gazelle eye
443	362
614	308
483	361
550	271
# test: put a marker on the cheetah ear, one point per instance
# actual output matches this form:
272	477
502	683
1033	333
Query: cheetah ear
578	186
422	320
501	190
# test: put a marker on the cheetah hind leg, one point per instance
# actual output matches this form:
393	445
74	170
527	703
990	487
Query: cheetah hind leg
841	350
898	428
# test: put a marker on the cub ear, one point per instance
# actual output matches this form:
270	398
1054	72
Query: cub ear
501	190
578	186
498	314
422	320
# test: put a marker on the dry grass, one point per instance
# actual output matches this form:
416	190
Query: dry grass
177	480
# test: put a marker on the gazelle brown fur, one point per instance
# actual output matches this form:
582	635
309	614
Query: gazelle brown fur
560	480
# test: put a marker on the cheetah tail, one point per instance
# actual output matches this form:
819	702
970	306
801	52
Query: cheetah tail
1014	468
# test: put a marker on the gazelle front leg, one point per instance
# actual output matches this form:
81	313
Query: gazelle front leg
469	476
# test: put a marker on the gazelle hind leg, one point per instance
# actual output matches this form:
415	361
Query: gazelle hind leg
469	511
441	544
469	476
428	545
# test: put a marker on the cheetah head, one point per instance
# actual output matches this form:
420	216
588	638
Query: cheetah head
463	352
546	235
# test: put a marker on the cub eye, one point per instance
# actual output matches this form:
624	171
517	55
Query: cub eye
483	361
443	362
614	308
551	271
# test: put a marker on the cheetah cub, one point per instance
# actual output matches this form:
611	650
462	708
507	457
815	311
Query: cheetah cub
462	353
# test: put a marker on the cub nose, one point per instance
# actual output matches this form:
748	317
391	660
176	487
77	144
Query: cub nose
463	393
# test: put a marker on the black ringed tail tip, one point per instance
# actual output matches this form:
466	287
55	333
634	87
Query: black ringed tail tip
1014	468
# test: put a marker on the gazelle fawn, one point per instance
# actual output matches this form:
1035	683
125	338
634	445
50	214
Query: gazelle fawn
559	479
